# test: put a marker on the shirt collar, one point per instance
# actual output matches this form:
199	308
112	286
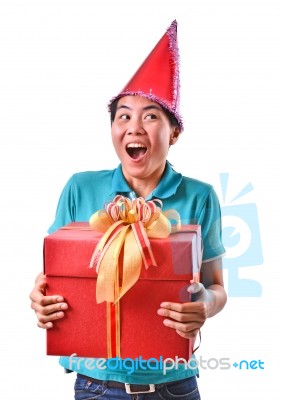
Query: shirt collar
167	186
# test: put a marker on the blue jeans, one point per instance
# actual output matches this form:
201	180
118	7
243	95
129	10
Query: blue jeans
186	389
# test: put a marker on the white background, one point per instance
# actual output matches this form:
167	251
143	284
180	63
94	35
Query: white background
60	63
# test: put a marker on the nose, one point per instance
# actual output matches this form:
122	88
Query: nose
135	127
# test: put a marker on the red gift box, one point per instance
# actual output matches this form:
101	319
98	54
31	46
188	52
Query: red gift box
83	330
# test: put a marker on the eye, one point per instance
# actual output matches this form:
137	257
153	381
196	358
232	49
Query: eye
151	116
124	116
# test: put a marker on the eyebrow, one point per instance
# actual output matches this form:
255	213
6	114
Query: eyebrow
151	107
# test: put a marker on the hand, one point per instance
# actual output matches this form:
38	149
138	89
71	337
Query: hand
47	308
188	318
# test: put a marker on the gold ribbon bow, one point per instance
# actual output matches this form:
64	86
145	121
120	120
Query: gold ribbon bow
128	225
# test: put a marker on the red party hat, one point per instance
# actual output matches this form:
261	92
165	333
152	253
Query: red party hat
157	78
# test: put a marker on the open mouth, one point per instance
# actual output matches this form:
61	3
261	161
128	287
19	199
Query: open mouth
136	150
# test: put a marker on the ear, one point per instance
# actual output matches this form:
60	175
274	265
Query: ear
174	136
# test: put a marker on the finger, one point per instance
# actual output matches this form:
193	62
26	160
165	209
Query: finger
184	328
54	299
188	335
48	309
44	319
48	325
184	317
181	307
39	298
172	306
177	316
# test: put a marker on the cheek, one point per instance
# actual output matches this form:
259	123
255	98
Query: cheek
116	138
162	143
116	131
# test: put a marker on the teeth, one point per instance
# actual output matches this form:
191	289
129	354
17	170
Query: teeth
135	145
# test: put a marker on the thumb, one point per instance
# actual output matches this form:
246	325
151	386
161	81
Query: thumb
41	286
198	292
196	287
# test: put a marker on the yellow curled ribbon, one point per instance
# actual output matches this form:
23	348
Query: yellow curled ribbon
127	226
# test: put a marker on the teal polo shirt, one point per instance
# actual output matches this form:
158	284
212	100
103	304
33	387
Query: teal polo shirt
195	201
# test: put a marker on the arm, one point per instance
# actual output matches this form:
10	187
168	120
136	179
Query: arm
47	308
212	279
208	298
51	308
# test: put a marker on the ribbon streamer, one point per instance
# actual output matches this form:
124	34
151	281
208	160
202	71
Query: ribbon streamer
127	226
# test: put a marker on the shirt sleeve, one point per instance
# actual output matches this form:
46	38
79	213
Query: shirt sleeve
210	221
66	209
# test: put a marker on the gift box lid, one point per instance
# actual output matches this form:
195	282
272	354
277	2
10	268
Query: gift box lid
68	251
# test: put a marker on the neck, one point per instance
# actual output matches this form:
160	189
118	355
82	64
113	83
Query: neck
144	186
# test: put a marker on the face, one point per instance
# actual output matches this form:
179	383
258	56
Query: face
141	135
